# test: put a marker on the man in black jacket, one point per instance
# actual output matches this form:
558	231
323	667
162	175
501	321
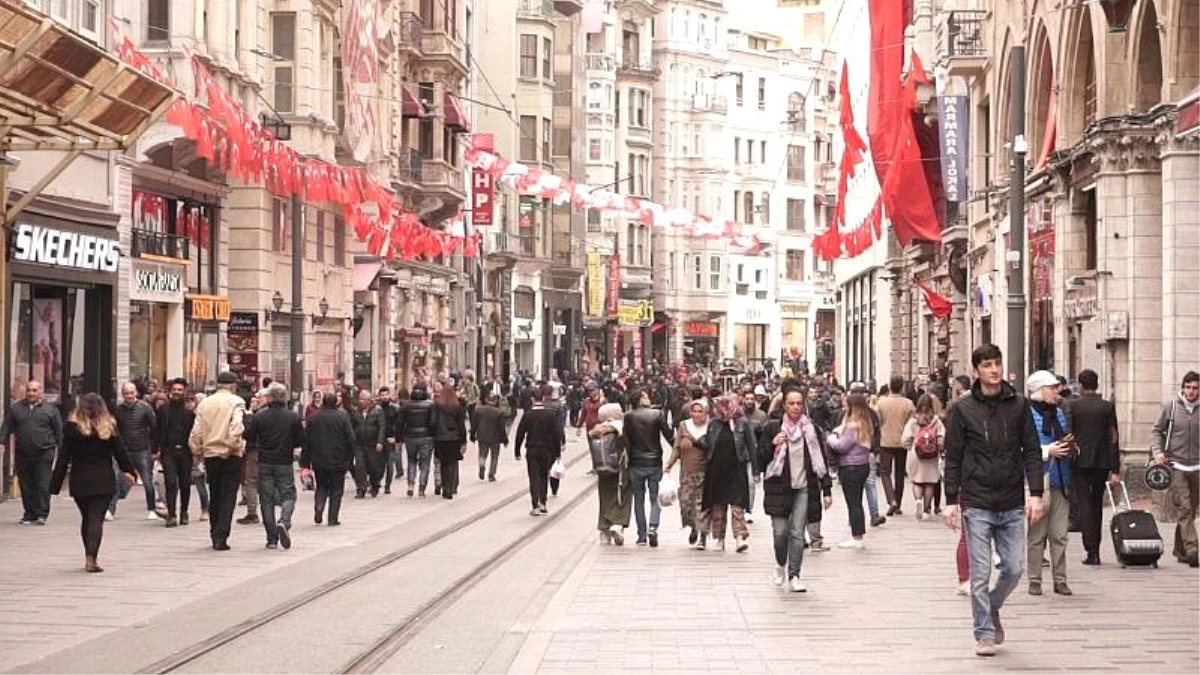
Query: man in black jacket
174	425
328	452
992	448
277	431
1094	421
393	461
489	431
135	426
415	430
643	427
546	438
370	433
39	431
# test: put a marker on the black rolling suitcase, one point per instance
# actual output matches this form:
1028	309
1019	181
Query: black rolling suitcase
1135	536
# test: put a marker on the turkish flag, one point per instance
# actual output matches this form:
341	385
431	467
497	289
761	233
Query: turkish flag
938	305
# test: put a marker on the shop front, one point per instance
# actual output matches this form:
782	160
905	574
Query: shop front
701	343
156	320
203	316
62	277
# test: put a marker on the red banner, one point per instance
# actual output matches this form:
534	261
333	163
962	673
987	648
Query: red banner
614	284
483	193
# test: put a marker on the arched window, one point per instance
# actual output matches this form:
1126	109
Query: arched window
687	20
702	31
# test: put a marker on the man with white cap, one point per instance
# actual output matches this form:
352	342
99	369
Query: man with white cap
1053	428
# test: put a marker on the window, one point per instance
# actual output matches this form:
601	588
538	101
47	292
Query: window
639	103
425	128
671	270
450	18
696	140
427	13
629	245
593	222
757	43
697	274
795	215
737	202
765	210
449	146
714	273
89	19
594	149
546	136
283	46
595	99
320	236
749	151
748	207
547	59
795	112
795	265
158	21
758	277
528	138
1091	231
762	93
524	304
738	88
795	162
762	152
280	224
737	150
529	56
339	241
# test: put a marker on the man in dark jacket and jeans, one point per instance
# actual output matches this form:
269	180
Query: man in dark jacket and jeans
174	425
328	452
135	426
546	438
277	431
39	431
416	432
643	426
488	430
370	433
992	448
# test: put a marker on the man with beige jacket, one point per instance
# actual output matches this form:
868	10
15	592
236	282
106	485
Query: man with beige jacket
894	412
216	439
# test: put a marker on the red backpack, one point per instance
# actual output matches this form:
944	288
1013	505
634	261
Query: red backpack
926	442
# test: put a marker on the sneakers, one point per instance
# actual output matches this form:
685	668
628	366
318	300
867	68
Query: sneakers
797	586
543	510
743	544
317	517
481	473
285	536
852	544
985	647
532	512
617	533
641	541
108	516
920	516
964	588
272	545
703	543
248	519
171	522
999	627
877	520
777	576
653	536
721	544
40	522
183	519
818	546
150	515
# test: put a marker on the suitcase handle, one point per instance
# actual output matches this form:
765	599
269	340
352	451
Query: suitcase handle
1124	491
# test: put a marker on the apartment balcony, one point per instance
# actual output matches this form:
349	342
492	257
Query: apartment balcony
540	10
568	7
438	47
638	135
146	243
600	63
411	28
438	175
408	170
705	103
961	47
632	66
510	245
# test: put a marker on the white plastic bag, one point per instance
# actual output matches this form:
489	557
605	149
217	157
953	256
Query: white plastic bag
558	470
668	490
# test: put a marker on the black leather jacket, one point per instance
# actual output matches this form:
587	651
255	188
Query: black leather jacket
643	426
416	417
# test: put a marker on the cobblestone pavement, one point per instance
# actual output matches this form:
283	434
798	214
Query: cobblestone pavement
889	608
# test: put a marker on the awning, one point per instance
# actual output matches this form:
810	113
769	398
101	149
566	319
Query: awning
1188	115
364	275
410	105
657	327
455	117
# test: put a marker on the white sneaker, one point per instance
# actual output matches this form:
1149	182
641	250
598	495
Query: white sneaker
150	515
964	588
851	543
108	515
617	534
797	586
777	576
920	514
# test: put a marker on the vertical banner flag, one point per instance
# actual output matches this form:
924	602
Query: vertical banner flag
595	284
362	31
483	184
614	284
956	146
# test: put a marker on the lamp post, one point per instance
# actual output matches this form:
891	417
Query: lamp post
1016	224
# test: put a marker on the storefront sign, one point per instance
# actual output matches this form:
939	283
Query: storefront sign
241	343
614	284
1081	306
701	329
635	313
60	248
595	285
153	282
955	121
637	348
484	192
794	311
206	308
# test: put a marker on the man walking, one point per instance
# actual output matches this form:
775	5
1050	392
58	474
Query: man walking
216	439
991	433
1175	439
277	432
1094	423
39	430
894	412
393	459
249	478
370	433
416	433
489	432
643	427
135	426
174	425
329	452
1052	425
546	438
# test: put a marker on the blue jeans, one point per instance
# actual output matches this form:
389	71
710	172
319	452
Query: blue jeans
1007	530
789	534
420	452
276	487
642	477
145	471
872	479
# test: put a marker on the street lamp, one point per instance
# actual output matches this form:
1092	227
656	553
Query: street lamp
1117	14
276	305
323	308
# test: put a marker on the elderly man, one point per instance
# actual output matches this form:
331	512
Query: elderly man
277	432
1053	427
39	431
216	439
135	425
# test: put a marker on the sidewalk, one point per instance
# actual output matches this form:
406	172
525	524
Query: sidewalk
889	608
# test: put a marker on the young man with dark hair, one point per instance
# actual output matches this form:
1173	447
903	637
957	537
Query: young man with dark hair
992	448
1175	439
1094	422
546	438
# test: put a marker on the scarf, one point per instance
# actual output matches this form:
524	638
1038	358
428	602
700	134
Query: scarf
1050	425
697	431
795	431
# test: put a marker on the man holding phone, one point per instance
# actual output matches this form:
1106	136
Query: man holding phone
1058	452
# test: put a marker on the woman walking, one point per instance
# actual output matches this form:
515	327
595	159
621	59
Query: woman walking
690	453
727	443
613	489
793	464
449	437
851	442
925	436
90	445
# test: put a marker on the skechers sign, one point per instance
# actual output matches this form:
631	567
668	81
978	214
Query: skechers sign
48	246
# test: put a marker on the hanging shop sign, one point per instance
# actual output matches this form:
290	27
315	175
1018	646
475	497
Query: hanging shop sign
635	313
614	284
241	343
955	120
701	329
484	193
211	308
595	284
60	248
155	282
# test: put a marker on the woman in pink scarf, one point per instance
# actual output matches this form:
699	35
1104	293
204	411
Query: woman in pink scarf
794	467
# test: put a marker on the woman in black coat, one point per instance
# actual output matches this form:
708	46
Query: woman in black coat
449	437
329	452
90	445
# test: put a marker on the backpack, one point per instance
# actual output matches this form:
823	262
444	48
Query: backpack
606	454
925	445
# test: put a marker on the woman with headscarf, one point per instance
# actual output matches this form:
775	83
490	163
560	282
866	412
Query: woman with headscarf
689	452
728	443
613	489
